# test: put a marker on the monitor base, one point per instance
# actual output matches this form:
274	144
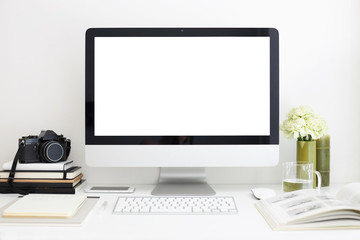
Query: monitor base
183	189
182	182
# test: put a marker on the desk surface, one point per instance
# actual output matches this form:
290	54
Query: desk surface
102	224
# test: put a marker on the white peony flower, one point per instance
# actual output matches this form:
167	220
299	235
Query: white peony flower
303	124
316	127
300	112
292	127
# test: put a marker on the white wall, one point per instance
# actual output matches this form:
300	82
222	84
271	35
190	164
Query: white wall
42	70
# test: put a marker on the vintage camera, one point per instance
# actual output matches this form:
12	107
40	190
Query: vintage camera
48	147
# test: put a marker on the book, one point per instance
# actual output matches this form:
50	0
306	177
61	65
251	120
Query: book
58	166
34	181
76	220
23	185
45	174
45	206
310	209
48	190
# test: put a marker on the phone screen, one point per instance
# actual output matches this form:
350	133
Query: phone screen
109	188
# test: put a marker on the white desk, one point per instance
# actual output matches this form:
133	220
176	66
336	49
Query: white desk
247	224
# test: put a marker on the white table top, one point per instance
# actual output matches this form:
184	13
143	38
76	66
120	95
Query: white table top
102	224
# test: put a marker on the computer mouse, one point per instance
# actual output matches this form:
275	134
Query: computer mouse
261	193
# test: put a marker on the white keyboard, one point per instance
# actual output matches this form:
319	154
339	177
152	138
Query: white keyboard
175	205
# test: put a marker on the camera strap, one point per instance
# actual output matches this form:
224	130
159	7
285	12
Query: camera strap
12	174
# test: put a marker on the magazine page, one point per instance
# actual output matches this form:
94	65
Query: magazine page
350	193
308	205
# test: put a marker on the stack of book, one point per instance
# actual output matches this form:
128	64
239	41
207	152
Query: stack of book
52	178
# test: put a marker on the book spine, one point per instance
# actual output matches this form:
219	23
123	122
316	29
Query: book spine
43	180
65	167
42	190
36	185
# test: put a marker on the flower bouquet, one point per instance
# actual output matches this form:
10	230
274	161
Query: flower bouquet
303	125
306	126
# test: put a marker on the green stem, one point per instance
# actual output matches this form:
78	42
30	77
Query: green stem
305	138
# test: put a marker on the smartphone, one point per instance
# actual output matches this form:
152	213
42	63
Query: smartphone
110	189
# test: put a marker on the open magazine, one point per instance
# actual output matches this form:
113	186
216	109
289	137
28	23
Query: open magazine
311	209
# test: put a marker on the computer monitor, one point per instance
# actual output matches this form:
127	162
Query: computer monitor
182	99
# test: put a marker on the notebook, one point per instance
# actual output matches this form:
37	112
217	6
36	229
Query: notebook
45	206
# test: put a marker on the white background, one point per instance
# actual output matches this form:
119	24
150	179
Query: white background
156	86
42	70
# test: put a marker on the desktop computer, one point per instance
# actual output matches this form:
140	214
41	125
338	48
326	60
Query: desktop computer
182	99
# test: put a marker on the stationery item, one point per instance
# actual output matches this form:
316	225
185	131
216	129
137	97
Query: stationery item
58	166
30	181
46	174
311	209
298	176
110	189
43	184
48	189
46	206
49	186
102	208
75	220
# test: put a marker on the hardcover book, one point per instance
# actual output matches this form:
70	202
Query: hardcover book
43	174
58	166
27	182
48	190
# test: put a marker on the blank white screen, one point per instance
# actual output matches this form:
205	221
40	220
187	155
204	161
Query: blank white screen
182	86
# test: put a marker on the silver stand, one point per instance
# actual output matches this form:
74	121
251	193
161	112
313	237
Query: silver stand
182	181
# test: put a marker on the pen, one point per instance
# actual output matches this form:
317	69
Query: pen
102	208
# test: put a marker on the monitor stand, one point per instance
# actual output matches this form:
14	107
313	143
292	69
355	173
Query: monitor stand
182	181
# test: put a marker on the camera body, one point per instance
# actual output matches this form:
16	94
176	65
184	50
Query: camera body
48	147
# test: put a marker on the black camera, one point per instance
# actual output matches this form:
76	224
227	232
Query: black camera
48	147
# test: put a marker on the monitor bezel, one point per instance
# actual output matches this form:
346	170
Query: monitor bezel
92	33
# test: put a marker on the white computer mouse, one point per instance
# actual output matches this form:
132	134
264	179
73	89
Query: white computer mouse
261	193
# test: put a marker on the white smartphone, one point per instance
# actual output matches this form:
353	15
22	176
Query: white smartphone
110	189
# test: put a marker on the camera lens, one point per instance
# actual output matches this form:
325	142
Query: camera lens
52	151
